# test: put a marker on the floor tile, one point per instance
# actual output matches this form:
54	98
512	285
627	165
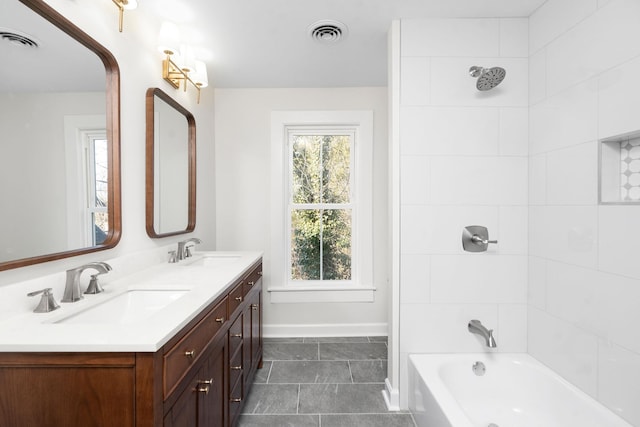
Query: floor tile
368	371
262	374
367	420
341	399
290	351
310	371
336	339
272	399
279	421
353	351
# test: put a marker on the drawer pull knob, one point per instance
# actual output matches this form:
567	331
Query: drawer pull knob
236	400
236	335
204	389
236	368
260	273
220	319
250	283
190	353
254	306
206	382
239	299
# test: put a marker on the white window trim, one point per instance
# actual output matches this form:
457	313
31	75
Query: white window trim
362	288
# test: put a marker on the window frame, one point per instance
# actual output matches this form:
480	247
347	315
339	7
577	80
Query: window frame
360	288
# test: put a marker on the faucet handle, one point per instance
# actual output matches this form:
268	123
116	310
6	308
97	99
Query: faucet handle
47	302
173	257
94	286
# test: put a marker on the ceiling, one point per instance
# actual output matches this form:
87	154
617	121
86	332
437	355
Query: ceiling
265	43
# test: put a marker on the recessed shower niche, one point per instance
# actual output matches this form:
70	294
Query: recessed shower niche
620	169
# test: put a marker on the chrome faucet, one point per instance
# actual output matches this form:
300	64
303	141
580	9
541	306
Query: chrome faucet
476	327
72	291
183	249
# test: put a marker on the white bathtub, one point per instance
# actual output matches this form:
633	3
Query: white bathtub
515	391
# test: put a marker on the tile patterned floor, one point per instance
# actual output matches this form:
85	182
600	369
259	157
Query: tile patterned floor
321	382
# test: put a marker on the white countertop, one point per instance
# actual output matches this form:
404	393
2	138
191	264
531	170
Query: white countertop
27	331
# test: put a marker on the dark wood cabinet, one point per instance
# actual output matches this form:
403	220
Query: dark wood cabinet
200	377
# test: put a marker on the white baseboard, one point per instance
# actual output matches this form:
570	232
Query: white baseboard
325	330
391	396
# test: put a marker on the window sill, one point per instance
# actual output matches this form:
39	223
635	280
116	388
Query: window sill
292	294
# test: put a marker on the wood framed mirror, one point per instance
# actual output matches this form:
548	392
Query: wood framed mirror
60	143
170	166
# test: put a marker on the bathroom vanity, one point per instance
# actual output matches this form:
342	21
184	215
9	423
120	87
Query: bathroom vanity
188	364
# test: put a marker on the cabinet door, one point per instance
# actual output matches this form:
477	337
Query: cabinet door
212	404
184	413
256	328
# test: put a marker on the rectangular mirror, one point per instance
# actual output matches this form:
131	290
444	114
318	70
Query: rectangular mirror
59	143
171	166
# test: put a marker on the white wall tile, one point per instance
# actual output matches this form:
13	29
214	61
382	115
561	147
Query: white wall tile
565	119
538	179
574	57
619	92
554	18
414	230
511	333
452	85
514	131
478	278
618	31
479	181
450	37
538	76
414	131
414	176
572	175
566	349
537	285
512	235
564	233
619	381
443	229
414	275
572	294
619	236
415	78
617	316
452	131
442	328
514	37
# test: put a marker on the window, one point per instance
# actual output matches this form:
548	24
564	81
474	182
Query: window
321	186
96	175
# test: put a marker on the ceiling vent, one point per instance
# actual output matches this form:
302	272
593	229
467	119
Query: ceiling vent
16	38
328	31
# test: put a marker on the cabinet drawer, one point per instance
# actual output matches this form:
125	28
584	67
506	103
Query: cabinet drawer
235	335
235	298
235	368
187	351
252	279
235	403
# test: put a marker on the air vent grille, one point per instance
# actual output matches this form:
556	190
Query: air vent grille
17	38
328	31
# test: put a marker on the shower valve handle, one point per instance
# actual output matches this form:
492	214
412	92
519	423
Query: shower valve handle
480	241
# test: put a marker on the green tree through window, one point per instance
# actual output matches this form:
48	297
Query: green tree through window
321	207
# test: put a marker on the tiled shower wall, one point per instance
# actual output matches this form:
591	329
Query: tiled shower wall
463	162
584	266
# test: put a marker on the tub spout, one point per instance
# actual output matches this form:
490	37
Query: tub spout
476	327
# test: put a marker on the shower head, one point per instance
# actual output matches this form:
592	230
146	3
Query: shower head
488	78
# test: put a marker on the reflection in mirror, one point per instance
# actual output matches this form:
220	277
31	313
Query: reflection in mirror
171	166
59	143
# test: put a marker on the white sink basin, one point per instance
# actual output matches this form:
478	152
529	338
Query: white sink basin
213	260
129	307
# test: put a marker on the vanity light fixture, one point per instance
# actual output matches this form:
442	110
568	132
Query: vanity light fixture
180	65
122	5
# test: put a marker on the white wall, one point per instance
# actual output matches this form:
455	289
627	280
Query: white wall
463	161
584	283
140	68
243	141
